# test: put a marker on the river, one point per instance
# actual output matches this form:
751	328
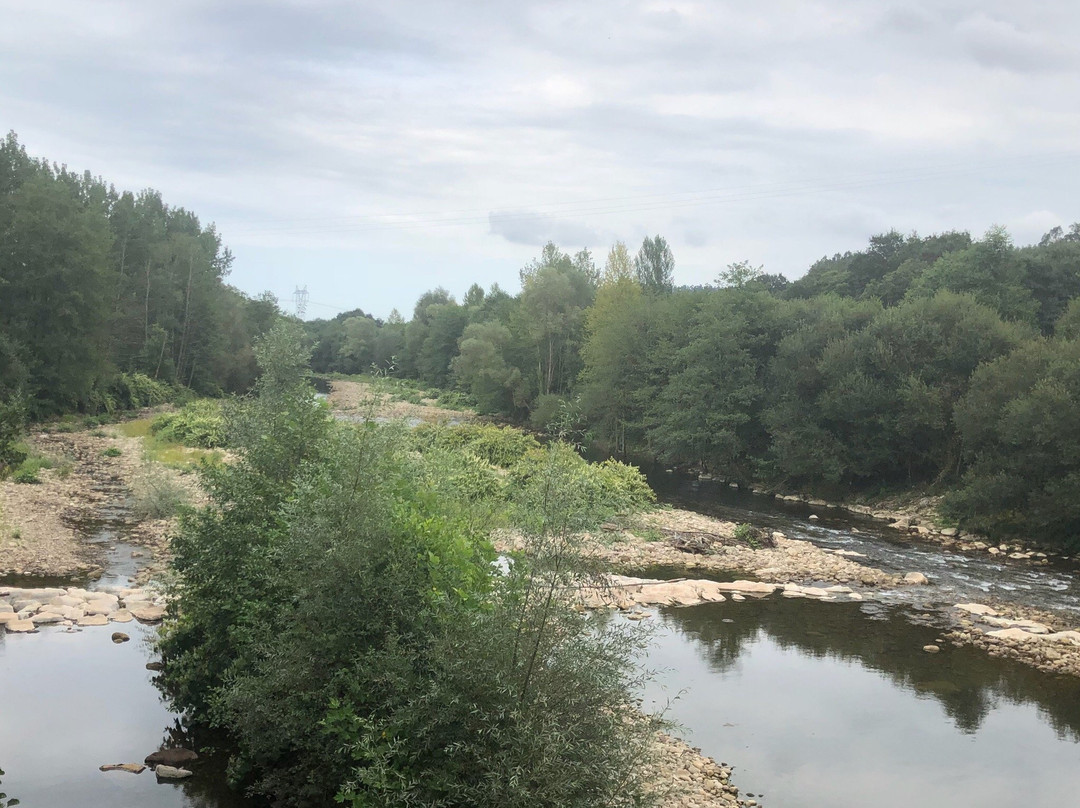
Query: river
815	704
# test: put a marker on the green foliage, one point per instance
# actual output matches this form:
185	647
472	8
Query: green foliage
338	617
112	300
1020	426
12	420
112	451
602	489
156	494
199	424
27	474
497	445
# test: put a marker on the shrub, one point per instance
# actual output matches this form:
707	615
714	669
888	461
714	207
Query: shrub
199	424
112	451
362	647
12	419
500	446
606	488
156	494
26	475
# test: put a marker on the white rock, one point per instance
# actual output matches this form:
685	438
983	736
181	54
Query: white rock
1013	634
976	608
171	772
915	578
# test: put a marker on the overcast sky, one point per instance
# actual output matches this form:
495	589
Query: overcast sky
371	151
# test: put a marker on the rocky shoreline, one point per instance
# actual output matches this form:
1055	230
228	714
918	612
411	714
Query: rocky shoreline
26	611
43	525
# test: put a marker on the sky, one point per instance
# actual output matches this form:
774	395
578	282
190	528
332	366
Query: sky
372	151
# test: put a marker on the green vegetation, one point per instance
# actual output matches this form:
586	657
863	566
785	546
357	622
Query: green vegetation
163	449
338	613
112	300
156	494
112	451
851	380
199	424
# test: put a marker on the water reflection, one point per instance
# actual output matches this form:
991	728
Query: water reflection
822	704
72	702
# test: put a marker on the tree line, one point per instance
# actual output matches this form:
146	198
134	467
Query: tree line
940	361
110	297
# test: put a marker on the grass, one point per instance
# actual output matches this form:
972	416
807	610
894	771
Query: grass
166	452
156	494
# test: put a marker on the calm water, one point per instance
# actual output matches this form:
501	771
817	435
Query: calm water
72	702
821	704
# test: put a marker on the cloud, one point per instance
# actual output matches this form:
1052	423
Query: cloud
536	229
417	131
998	43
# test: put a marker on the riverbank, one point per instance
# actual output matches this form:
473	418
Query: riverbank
351	399
42	524
673	537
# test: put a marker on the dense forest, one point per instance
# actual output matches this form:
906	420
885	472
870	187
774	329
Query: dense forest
940	361
110	299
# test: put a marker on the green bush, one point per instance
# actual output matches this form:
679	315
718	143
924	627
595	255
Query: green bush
340	618
112	451
500	446
26	475
606	488
156	494
12	420
199	424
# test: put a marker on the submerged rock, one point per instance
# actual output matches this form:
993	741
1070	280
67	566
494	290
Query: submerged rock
171	772
170	757
134	768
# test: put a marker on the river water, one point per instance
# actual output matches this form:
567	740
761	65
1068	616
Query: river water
816	704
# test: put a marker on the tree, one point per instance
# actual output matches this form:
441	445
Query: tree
619	264
655	265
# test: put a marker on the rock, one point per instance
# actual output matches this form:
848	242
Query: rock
20	626
149	614
170	757
121	616
42	618
1012	634
134	768
171	772
100	607
813	517
155	666
839	590
25	605
6	608
752	588
976	608
931	649
994	551
735	596
638	615
949	531
1072	637
915	579
93	620
119	637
